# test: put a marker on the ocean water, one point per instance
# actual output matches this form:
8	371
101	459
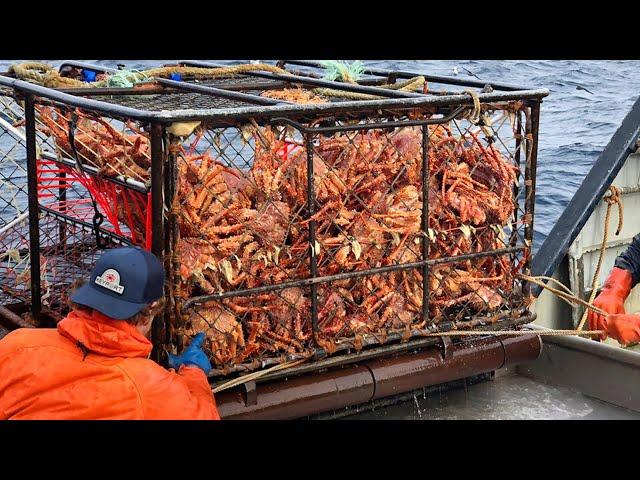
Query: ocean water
587	102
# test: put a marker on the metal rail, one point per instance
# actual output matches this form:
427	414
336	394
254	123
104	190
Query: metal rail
411	74
241	113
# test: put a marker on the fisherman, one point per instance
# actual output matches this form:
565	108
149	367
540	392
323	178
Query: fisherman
623	327
95	364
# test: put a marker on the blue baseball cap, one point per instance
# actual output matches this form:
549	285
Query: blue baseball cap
123	282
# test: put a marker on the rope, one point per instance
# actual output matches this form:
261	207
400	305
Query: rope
406	86
330	92
473	115
546	333
43	74
212	72
48	76
253	376
569	298
612	199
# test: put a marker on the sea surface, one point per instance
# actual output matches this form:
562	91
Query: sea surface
587	102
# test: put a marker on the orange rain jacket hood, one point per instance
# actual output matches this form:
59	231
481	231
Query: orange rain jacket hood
94	367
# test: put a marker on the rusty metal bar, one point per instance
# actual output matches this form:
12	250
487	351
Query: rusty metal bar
219	92
311	201
316	82
305	282
407	75
12	320
171	235
32	187
382	377
425	222
157	187
372	347
531	142
157	216
516	188
88	66
370	126
235	114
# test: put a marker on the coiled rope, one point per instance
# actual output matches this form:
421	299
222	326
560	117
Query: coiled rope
43	74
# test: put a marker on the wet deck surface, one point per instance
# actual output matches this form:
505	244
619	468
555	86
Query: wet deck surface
511	397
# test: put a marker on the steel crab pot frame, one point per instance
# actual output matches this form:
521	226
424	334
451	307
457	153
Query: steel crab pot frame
291	231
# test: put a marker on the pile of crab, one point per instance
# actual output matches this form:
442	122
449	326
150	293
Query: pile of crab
243	229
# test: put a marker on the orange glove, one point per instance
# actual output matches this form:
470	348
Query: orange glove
624	328
614	292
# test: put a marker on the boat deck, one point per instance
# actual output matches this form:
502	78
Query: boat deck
507	397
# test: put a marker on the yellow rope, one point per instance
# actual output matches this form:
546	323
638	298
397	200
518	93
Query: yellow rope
406	86
211	72
48	76
255	375
331	92
43	74
612	199
550	333
474	115
569	298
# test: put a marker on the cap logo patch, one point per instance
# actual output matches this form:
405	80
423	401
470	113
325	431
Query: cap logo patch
110	279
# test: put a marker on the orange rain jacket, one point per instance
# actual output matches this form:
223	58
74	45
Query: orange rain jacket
94	367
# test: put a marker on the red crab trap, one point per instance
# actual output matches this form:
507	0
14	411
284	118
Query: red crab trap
293	222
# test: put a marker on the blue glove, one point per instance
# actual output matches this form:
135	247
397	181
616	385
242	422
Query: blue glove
192	355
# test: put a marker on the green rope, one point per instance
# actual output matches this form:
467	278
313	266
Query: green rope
343	71
124	79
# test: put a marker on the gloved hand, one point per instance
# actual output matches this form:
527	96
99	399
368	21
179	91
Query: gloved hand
192	355
624	328
614	292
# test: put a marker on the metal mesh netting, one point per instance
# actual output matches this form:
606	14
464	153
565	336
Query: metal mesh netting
251	233
14	228
68	252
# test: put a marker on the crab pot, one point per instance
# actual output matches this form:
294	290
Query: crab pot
293	222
